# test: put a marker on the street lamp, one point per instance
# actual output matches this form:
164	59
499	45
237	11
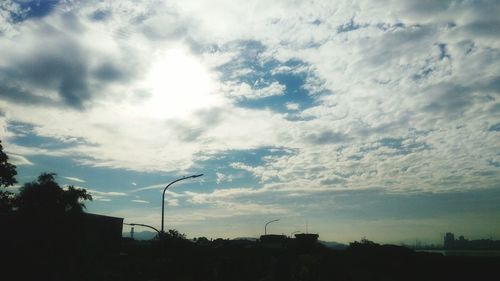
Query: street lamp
145	225
265	226
163	197
291	234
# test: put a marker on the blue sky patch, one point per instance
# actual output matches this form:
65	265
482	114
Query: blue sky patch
34	9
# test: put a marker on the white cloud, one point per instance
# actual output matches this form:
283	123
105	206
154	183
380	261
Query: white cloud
172	202
292	106
106	193
140	201
101	198
223	178
245	91
74	179
19	160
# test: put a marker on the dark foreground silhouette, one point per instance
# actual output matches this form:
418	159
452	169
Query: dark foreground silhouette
43	258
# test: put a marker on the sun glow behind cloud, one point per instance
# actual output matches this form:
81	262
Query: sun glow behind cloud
178	84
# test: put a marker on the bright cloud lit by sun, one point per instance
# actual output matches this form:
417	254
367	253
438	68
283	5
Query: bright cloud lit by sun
177	84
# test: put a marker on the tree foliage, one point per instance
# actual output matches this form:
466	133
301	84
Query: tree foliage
174	234
7	178
45	195
7	170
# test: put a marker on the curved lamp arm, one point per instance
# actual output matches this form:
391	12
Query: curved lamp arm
145	225
265	226
163	196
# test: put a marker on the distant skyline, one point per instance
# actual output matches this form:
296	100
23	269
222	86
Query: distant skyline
376	119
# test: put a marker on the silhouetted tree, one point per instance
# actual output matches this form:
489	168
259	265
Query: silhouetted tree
174	234
47	197
7	178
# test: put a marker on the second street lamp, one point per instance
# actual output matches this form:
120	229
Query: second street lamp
265	226
163	197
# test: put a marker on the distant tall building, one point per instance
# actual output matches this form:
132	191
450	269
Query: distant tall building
449	240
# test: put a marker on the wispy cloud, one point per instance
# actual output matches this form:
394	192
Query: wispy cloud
74	179
140	201
107	193
19	160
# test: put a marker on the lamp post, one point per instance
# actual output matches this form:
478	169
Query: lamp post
265	226
163	197
291	234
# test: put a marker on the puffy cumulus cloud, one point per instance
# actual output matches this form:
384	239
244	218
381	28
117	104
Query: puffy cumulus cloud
402	95
223	178
245	91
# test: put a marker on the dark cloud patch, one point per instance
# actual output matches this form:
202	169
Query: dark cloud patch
62	68
109	72
16	94
395	143
356	157
20	128
494	163
206	119
326	137
389	26
72	23
492	86
332	181
494	128
427	70
25	134
73	88
383	129
350	26
443	51
317	22
60	64
453	99
427	7
403	146
210	117
422	74
188	133
100	15
399	42
483	29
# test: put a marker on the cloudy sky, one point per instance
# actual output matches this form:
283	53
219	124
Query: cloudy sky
377	119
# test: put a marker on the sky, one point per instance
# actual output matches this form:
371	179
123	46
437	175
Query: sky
350	119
